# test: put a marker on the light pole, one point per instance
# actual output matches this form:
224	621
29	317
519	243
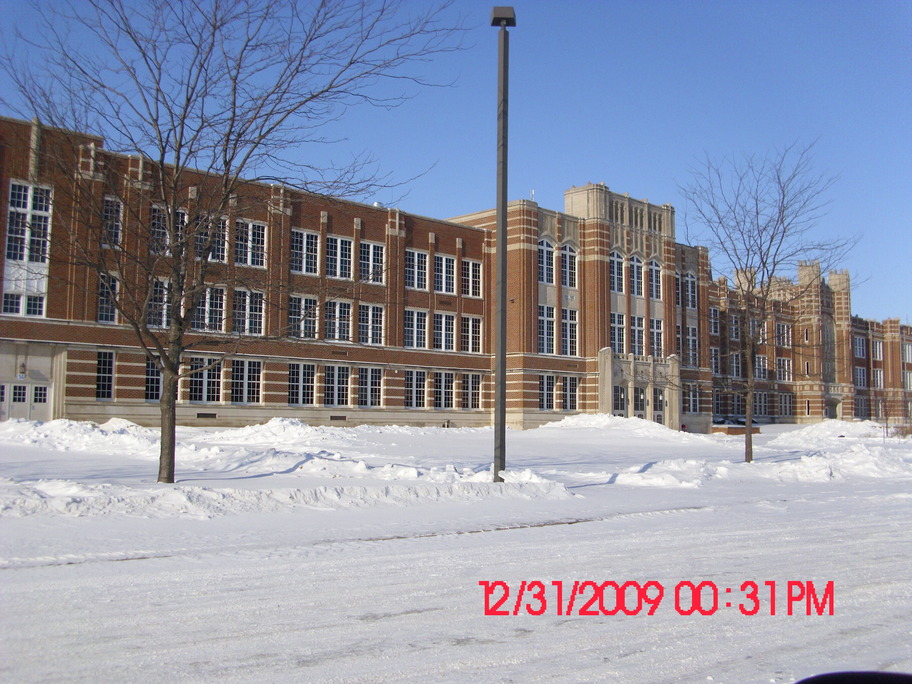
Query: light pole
502	17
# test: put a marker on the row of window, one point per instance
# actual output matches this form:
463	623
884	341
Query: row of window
308	384
783	331
734	404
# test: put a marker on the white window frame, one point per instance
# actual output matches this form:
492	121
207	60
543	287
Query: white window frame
337	320
338	257
415	329
370	324
247	312
444	333
471	278
569	262
444	274
372	262
546	324
304	252
303	316
545	262
416	270
249	243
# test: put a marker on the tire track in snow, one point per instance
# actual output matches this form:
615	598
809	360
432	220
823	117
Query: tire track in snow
139	555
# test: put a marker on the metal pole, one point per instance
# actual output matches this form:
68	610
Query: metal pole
504	16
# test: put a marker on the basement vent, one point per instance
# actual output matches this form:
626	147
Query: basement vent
338	417
207	415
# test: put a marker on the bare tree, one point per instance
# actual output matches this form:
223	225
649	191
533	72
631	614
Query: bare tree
758	214
199	100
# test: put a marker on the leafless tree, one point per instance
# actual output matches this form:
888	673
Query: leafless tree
758	216
201	97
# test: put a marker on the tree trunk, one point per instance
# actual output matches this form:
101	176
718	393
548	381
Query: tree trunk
168	404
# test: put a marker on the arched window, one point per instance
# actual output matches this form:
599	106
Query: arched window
636	276
568	266
545	262
615	272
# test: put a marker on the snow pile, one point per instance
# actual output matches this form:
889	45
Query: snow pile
70	435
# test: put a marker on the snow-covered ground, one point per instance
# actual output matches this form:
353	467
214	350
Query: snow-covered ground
291	553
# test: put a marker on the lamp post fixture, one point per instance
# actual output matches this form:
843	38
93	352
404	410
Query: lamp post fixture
501	17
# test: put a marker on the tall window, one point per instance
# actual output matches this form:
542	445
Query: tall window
656	343
370	324
783	369
760	367
302	317
734	327
568	266
445	331
569	391
245	381
761	403
247	312
335	385
545	262
692	353
736	371
471	334
444	274
444	383
637	335
104	375
615	272
471	390
158	313
338	257
861	377
210	239
690	291
655	280
337	320
301	383
29	223
546	384
691	399
545	329
415	387
471	278
877	378
636	276
249	243
210	310
786	403
416	264
783	335
617	333
713	321
107	295
370	263
619	399
715	361
111	218
415	329
370	387
860	347
639	400
205	383
304	251
153	381
877	350
569	344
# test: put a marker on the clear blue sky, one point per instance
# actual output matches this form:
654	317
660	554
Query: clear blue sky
632	93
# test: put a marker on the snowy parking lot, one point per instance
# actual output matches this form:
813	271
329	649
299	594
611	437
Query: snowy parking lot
616	551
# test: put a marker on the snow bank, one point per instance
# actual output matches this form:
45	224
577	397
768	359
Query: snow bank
66	498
